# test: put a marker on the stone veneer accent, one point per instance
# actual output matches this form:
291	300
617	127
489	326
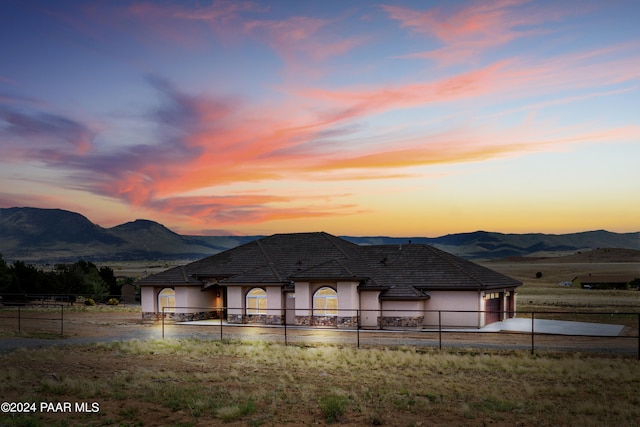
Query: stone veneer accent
234	318
316	321
347	321
401	322
258	319
263	319
179	317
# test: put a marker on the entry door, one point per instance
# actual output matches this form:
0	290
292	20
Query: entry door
290	305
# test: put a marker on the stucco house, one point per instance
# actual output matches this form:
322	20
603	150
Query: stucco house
320	279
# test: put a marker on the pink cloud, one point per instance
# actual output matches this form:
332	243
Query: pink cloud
248	208
301	37
4	79
467	32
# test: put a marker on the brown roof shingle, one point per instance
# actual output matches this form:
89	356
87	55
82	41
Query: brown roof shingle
401	272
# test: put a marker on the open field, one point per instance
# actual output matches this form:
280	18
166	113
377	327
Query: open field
545	293
203	383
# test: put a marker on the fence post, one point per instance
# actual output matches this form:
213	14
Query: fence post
221	325
19	327
162	322
358	326
638	336
533	315
440	329
286	342
61	320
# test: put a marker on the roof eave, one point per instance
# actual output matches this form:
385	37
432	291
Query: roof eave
405	298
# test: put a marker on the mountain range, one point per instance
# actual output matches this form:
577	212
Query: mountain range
37	235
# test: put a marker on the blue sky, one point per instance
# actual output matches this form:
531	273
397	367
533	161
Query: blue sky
399	118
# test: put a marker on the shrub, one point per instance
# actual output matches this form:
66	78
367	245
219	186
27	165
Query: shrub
113	301
89	301
333	406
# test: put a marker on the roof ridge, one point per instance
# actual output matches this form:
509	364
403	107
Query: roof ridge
326	236
439	253
269	260
344	266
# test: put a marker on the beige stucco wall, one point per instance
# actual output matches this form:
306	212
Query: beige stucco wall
235	300
348	300
455	301
274	300
370	308
402	308
191	299
149	299
303	299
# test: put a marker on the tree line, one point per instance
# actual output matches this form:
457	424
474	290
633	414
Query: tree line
80	278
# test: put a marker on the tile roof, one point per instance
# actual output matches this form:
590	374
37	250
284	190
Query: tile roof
175	275
401	272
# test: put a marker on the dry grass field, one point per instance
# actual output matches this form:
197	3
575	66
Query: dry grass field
197	382
202	383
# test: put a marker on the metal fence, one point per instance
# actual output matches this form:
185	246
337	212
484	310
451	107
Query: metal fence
43	314
573	331
438	333
30	318
65	299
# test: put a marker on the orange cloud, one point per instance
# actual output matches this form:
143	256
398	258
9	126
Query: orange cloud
248	208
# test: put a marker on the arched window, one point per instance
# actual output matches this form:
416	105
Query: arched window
325	302
167	300
257	301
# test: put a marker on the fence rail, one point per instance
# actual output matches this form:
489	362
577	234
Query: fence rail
440	334
25	316
14	299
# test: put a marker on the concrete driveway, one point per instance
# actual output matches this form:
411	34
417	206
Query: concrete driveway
556	327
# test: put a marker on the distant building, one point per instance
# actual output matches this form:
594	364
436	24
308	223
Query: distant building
320	279
602	282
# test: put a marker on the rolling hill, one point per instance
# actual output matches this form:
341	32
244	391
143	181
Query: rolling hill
37	235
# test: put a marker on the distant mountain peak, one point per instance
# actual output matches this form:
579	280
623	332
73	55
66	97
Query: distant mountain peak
53	235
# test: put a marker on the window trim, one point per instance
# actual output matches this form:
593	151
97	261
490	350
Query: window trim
169	298
256	308
325	310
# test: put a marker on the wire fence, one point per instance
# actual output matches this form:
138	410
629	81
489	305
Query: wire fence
67	299
592	331
29	318
567	331
44	314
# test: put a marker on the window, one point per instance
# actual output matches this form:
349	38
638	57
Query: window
167	300
325	302
257	301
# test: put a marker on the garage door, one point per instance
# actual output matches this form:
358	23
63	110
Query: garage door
492	307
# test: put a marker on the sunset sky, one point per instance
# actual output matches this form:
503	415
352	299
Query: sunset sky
356	118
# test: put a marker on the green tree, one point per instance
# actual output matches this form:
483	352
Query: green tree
106	273
26	279
5	275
